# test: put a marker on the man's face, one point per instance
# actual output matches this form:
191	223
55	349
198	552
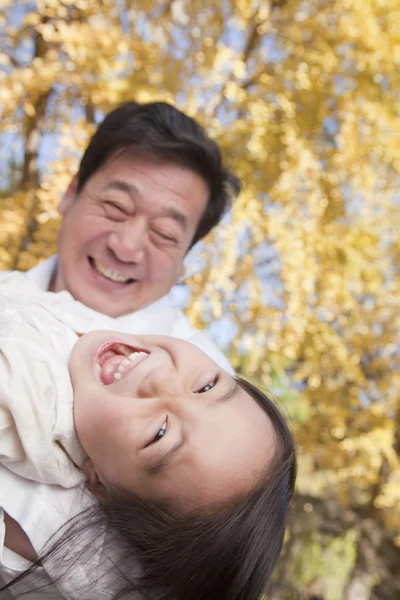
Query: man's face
124	237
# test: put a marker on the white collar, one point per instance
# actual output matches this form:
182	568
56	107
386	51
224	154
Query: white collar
160	313
43	272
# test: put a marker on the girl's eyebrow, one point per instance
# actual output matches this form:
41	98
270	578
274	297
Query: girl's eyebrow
230	392
155	467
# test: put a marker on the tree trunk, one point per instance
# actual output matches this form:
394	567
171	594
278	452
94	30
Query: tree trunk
33	131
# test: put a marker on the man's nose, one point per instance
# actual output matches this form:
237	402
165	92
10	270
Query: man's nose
128	240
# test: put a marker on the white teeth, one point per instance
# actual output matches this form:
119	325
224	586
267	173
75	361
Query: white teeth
98	368
110	273
132	358
136	355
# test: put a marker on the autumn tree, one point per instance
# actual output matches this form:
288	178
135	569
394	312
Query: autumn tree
303	97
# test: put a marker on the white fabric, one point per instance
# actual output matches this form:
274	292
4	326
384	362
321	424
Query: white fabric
40	510
37	437
37	434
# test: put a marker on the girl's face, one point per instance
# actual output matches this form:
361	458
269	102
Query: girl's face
156	416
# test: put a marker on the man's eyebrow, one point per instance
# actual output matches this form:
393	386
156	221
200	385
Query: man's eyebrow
117	184
179	217
155	468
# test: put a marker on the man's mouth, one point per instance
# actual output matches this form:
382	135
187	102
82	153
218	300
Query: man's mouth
110	274
114	360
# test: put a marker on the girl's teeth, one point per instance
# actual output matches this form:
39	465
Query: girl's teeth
135	355
123	364
126	361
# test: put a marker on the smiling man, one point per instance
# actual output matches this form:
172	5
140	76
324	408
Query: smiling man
149	186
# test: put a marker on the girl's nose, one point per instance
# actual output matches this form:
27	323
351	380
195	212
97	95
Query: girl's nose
160	381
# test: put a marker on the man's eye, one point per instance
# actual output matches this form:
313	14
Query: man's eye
161	432
209	386
165	236
114	207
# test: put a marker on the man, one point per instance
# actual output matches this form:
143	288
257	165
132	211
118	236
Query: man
149	186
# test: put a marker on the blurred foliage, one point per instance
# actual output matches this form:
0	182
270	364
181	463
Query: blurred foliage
327	563
303	97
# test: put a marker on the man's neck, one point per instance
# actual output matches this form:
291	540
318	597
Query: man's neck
53	284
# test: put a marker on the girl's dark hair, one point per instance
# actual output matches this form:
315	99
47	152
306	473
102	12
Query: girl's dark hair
159	130
155	553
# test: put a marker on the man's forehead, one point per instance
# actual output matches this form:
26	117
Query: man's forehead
143	161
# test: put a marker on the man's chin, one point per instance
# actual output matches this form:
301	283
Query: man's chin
103	295
106	297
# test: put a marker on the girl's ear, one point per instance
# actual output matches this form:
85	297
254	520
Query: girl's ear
95	486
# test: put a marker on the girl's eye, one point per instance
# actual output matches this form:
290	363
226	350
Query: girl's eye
209	386
161	432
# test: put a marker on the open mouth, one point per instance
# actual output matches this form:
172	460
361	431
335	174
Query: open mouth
107	273
115	360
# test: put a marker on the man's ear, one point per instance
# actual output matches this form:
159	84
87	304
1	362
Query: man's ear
69	197
182	271
94	484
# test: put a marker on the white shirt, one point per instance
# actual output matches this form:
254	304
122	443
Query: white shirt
37	433
41	509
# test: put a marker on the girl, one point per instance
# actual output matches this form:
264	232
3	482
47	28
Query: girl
189	471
